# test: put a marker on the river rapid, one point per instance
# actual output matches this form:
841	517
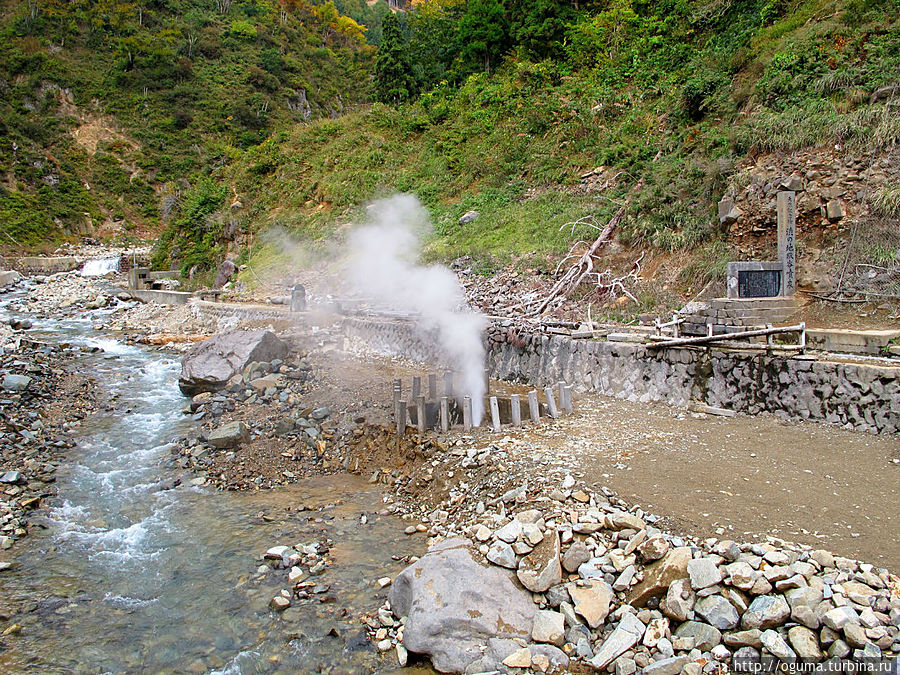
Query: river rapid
126	574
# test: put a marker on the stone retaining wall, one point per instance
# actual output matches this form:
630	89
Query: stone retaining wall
865	396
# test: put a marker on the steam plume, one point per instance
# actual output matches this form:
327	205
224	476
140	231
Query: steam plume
385	267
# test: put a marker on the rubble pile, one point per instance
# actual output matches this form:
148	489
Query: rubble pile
613	590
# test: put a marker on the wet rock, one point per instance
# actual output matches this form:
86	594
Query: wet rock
629	631
450	621
541	569
229	435
209	365
11	478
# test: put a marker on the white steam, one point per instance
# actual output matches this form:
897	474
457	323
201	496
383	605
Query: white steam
384	266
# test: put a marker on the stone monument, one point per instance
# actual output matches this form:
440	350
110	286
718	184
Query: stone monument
770	279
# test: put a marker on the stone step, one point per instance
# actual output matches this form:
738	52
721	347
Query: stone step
754	303
852	341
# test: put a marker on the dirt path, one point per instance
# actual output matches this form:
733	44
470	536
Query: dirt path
742	477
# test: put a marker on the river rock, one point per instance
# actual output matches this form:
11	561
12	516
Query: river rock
669	666
766	611
8	277
11	478
627	634
805	643
549	627
16	383
679	601
705	636
209	365
454	606
717	611
540	569
577	555
776	645
744	638
592	601
229	435
659	576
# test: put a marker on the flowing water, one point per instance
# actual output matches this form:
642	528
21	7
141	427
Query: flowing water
125	576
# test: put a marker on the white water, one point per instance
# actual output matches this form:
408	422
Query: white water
127	577
100	267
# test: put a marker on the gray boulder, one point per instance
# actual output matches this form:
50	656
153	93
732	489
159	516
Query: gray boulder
223	276
454	606
209	365
229	435
8	277
13	382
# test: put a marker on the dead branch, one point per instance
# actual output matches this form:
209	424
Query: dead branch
581	270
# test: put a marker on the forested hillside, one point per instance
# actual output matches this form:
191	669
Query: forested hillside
237	117
111	109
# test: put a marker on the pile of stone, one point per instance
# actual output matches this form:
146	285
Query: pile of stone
262	387
588	579
305	564
31	444
65	293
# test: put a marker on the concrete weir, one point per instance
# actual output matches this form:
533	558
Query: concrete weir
858	393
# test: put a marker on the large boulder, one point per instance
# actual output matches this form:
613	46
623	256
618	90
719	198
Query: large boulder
210	364
454	606
8	277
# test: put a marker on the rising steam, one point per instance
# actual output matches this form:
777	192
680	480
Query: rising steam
385	267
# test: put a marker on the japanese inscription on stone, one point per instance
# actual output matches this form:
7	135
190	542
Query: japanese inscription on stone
787	239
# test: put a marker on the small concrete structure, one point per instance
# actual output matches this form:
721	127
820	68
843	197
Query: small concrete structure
140	278
162	297
38	265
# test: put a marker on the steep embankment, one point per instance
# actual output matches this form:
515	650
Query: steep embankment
111	111
700	101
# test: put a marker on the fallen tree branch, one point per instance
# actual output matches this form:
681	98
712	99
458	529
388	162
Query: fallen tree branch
578	272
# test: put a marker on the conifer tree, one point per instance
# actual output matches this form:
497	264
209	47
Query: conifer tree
394	80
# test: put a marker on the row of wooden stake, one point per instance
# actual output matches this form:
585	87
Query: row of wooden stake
534	410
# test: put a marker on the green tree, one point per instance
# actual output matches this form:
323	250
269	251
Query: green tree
394	80
483	33
539	26
432	43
